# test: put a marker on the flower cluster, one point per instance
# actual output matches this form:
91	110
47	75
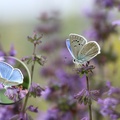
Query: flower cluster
110	103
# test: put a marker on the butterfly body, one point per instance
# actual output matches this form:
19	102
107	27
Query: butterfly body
81	50
10	76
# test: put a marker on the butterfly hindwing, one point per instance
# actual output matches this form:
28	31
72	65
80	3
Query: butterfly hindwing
9	83
5	70
16	76
89	51
10	76
76	42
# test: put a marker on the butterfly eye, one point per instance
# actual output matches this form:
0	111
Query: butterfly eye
74	60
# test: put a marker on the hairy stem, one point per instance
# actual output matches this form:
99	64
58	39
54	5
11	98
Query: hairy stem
89	103
32	71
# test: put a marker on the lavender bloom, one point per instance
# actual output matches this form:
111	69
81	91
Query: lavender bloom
50	23
2	53
108	3
109	104
117	22
21	116
12	51
46	93
7	111
101	26
85	118
15	94
35	90
52	114
33	109
11	94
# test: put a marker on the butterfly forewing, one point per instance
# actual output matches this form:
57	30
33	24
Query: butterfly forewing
89	51
77	42
5	70
69	47
16	76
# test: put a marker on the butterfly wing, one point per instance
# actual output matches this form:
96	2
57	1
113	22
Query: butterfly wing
10	83
89	51
76	42
16	76
2	80
69	47
5	70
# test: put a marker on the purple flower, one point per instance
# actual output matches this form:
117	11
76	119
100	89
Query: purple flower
35	90
33	109
46	93
106	3
52	114
15	94
12	94
2	53
12	51
85	118
117	22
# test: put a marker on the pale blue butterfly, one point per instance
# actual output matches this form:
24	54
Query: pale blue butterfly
10	76
81	50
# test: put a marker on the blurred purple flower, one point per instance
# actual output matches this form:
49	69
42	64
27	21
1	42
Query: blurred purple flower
101	25
46	93
35	90
33	109
108	3
12	94
68	116
108	105
50	23
12	51
5	112
15	94
117	22
52	46
85	118
1	86
52	114
2	53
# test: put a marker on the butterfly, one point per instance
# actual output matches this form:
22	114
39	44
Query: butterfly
81	50
10	76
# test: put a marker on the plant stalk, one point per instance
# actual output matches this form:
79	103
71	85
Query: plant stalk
89	103
32	71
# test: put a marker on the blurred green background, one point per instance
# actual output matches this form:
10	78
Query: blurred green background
18	19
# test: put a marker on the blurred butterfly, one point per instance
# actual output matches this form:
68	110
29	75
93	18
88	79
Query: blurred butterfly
10	76
81	50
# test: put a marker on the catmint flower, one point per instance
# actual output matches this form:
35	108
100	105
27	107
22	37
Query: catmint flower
84	69
38	58
35	90
84	96
33	109
46	93
85	118
116	22
21	116
15	94
35	40
12	51
108	3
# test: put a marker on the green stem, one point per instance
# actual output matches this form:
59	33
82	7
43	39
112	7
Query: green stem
32	71
89	103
